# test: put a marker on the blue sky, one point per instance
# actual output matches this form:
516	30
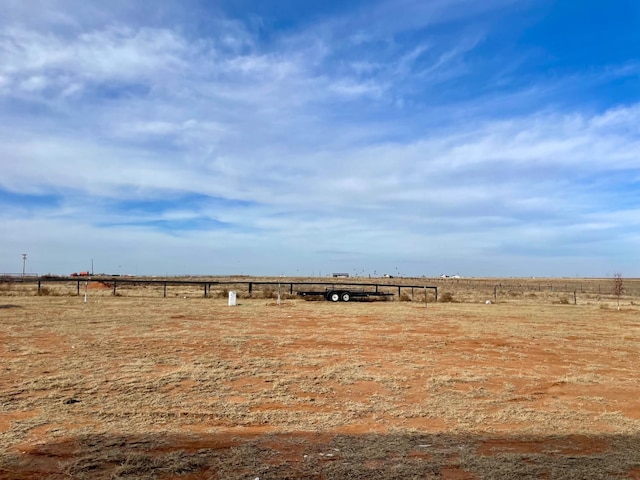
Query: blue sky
493	138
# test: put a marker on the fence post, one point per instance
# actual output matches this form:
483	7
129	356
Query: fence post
250	288
495	294
115	283
38	287
165	290
78	289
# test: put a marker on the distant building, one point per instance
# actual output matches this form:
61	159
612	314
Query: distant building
340	275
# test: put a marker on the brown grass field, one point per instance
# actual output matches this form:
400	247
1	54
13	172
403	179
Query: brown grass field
137	386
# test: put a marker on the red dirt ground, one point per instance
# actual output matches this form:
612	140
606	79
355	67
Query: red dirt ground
380	390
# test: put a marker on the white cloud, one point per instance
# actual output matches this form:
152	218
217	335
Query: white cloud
33	60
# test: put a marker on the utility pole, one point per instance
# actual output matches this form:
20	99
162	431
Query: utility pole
24	263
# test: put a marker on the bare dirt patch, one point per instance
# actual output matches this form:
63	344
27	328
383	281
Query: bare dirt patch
128	387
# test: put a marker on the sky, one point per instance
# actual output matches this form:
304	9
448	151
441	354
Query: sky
282	137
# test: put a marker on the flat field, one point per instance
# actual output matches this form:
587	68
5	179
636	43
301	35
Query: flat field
146	387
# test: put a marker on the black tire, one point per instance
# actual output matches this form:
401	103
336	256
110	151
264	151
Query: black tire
345	296
333	296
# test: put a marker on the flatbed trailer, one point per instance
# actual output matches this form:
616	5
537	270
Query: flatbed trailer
339	294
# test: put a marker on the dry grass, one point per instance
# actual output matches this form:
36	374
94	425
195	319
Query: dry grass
141	387
600	292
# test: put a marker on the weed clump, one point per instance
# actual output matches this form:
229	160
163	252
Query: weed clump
224	293
313	298
269	292
446	297
405	297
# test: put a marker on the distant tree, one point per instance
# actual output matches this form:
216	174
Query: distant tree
618	287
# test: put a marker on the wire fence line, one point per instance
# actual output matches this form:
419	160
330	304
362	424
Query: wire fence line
464	289
590	286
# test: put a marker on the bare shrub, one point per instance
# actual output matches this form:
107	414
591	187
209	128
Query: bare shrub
404	297
242	295
269	292
618	287
224	293
44	291
446	297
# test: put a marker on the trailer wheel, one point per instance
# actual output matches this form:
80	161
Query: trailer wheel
334	296
345	296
